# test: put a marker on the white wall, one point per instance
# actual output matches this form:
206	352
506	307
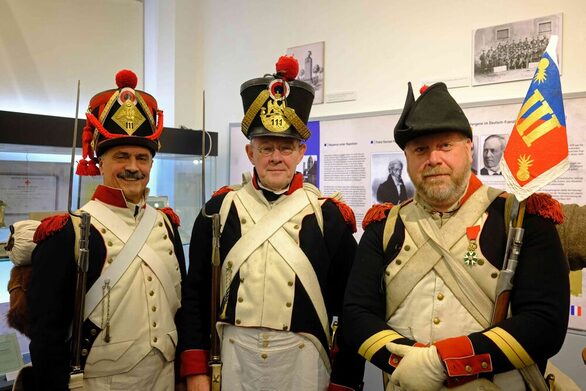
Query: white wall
46	46
372	47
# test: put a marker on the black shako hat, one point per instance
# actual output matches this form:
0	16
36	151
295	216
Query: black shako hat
277	105
435	111
122	116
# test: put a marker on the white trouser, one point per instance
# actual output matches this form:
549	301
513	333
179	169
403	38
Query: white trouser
260	359
152	373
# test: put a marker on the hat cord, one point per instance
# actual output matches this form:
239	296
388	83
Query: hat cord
98	125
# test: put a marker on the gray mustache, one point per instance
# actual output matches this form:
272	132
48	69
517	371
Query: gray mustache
131	175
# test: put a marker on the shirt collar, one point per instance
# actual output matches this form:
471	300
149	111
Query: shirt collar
115	197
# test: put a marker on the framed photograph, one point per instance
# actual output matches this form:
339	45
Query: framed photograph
311	66
389	181
511	51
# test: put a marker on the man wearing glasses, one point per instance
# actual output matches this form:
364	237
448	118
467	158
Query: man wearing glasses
286	252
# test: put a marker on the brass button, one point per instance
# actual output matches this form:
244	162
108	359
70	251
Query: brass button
440	296
398	262
84	352
301	345
264	356
288	304
155	339
407	247
86	341
229	264
494	275
165	237
170	252
238	321
93	332
484	365
154	324
110	260
388	273
160	224
296	226
285	327
243	221
290	283
468	368
481	261
240	299
109	243
395	360
103	230
265	344
436	321
149	278
241	280
151	293
154	308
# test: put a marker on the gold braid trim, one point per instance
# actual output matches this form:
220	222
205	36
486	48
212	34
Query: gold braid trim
292	116
516	354
108	106
253	110
376	342
146	109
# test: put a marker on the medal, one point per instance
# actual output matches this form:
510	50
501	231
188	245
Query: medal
471	258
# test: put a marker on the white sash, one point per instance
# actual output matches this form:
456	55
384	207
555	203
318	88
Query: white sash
135	245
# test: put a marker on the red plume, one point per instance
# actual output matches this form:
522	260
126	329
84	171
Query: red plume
287	67
126	78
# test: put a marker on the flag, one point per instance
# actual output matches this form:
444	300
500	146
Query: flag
537	150
575	310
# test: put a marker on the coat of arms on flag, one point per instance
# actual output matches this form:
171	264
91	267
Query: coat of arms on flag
537	151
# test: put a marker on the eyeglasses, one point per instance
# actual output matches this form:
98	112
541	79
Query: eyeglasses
285	150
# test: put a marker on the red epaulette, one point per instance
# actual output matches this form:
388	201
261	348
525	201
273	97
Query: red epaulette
222	190
377	212
50	225
171	215
347	212
544	205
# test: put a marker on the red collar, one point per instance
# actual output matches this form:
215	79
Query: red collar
296	183
473	185
110	195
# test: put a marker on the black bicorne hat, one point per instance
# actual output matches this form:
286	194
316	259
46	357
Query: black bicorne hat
435	111
277	105
122	116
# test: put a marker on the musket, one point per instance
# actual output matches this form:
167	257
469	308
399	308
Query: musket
215	361
76	374
512	250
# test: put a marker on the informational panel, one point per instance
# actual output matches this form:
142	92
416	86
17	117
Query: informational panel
24	193
356	154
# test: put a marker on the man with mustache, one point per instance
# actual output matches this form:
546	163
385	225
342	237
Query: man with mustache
421	293
286	252
136	261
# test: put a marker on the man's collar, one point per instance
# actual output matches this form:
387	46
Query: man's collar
115	197
296	183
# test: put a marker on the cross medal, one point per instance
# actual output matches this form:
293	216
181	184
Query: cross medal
470	258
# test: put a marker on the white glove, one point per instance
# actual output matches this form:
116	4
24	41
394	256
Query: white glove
420	368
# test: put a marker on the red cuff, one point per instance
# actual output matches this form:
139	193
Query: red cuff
460	360
338	387
194	362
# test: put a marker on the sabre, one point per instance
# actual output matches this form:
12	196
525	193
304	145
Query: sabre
215	361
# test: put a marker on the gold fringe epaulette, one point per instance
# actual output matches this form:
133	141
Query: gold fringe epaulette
377	212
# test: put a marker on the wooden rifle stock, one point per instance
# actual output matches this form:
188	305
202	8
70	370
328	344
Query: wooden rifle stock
513	249
215	362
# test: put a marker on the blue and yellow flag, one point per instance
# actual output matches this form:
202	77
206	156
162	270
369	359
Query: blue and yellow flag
537	151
